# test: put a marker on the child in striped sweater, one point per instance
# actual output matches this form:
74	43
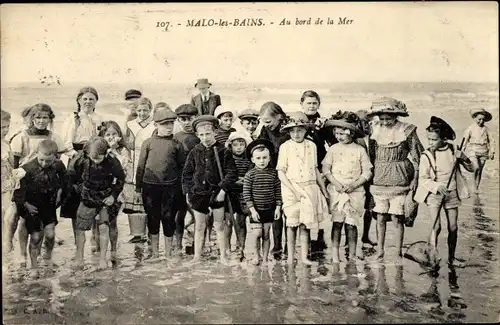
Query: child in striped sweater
262	194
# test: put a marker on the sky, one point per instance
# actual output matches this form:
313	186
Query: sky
448	41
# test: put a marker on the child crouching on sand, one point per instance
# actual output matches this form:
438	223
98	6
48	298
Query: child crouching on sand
435	169
347	167
302	186
262	194
102	182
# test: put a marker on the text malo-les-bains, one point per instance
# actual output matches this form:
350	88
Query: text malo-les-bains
246	22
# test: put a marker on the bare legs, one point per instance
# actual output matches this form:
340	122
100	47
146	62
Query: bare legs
200	231
381	231
304	235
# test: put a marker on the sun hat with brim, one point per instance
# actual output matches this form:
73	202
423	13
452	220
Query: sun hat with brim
446	130
387	105
202	83
205	120
248	114
487	115
296	119
259	143
238	135
344	124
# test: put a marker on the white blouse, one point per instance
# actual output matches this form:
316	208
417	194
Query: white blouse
347	162
298	161
84	131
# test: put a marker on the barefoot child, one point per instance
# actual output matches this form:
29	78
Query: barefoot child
262	194
102	182
302	186
435	169
160	164
38	197
347	167
24	146
395	151
136	133
9	184
111	132
249	119
186	114
238	143
479	142
203	185
272	117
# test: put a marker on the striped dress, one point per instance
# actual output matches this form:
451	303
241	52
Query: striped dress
262	190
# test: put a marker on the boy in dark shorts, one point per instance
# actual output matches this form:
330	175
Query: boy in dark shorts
262	194
103	179
160	165
203	184
186	114
38	198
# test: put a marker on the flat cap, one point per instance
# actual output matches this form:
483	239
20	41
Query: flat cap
205	119
164	115
248	113
186	109
132	93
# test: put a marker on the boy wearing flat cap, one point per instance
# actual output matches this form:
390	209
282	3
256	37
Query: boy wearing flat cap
160	164
203	184
249	119
186	114
206	101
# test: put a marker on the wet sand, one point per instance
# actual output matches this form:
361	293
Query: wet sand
140	292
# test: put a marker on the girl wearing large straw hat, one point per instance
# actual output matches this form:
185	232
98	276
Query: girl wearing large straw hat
392	144
479	142
303	188
347	167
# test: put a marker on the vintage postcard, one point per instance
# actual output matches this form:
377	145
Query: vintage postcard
250	162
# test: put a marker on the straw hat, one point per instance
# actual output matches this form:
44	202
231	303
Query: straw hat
296	119
487	115
388	105
238	135
345	120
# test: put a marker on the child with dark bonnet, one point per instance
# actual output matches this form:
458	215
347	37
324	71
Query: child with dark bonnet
102	180
39	196
435	169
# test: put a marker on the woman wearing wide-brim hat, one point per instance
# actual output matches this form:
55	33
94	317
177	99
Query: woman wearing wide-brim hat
479	142
392	144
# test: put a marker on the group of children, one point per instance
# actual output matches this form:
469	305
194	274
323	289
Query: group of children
224	177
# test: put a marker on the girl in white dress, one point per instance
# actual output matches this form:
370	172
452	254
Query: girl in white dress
137	132
347	167
303	188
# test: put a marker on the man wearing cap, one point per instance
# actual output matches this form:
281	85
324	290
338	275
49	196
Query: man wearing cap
203	184
160	164
206	101
131	97
186	114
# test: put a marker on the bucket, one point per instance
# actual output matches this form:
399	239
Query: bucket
137	224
